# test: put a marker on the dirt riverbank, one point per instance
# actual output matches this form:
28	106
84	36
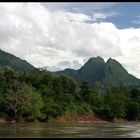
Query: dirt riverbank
3	121
80	118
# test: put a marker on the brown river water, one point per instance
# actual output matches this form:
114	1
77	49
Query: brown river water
70	130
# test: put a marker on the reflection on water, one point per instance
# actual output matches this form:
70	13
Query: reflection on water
85	129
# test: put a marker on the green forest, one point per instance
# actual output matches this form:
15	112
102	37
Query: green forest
41	95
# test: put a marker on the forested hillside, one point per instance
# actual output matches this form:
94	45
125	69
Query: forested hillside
41	95
30	94
15	62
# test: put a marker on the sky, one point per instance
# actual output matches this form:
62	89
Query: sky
66	35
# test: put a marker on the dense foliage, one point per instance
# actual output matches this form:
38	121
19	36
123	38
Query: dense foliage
41	95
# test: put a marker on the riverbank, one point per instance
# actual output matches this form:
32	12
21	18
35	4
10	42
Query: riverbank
67	119
3	121
79	118
90	118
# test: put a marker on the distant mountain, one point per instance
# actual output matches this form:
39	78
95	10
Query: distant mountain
15	62
101	75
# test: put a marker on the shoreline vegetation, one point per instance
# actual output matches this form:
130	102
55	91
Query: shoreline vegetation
75	119
64	119
41	96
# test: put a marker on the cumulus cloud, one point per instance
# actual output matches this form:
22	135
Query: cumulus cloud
58	39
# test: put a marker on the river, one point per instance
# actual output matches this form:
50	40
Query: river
71	130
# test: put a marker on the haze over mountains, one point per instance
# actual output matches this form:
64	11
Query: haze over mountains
99	74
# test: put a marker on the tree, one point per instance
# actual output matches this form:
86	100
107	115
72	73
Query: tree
23	100
133	107
135	93
85	89
115	100
33	110
95	99
133	111
17	94
52	109
17	97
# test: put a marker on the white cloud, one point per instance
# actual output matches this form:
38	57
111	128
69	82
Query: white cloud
136	20
102	15
47	38
78	17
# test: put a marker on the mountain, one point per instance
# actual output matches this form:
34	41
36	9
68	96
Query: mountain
15	62
101	75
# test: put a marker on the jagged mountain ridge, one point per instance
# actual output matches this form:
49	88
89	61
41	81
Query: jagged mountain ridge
101	75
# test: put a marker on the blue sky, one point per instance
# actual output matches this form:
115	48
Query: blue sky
66	35
126	11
